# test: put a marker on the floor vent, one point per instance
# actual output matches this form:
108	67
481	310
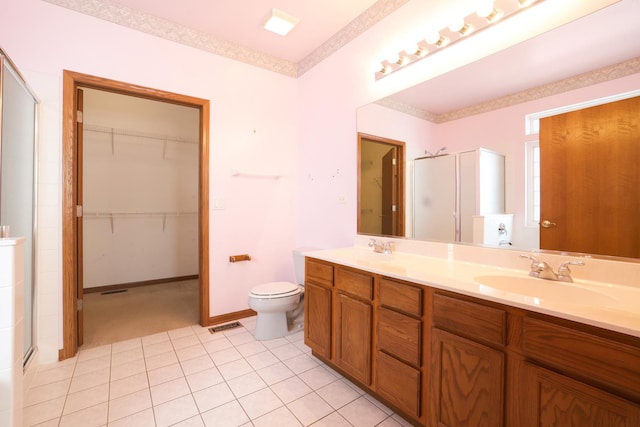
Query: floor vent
224	327
113	292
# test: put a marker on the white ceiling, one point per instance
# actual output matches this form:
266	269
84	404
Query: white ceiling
241	21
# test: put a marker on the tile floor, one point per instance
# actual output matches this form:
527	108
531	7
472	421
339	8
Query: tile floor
190	377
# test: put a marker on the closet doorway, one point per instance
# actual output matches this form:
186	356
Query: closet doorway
101	212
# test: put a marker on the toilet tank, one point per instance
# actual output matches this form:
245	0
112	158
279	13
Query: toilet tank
298	263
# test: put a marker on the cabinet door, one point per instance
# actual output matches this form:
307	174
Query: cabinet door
551	399
317	325
353	337
467	384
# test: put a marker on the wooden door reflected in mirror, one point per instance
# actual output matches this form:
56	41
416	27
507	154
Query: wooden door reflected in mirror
381	172
591	180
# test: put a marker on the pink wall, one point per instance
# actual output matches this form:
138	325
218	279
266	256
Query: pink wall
253	128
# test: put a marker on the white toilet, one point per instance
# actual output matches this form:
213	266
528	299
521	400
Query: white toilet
278	303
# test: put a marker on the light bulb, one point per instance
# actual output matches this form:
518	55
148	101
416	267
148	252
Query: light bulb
457	25
485	8
433	38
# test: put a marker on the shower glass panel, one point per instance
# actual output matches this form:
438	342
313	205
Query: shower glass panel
17	178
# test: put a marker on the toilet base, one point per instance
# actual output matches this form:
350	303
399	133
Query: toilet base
270	326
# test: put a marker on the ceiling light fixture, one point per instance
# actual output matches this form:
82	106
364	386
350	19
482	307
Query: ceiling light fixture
487	14
280	22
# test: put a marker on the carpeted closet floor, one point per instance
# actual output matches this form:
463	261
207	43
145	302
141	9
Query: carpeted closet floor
140	311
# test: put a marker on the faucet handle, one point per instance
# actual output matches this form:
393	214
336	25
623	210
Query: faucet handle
534	260
564	272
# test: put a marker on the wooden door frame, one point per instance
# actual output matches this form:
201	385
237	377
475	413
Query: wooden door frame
401	178
71	81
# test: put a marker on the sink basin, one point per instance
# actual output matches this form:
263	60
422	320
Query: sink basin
545	290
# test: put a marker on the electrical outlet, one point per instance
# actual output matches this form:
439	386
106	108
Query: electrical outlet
342	200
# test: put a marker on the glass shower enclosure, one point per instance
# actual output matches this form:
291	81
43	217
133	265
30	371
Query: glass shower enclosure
18	155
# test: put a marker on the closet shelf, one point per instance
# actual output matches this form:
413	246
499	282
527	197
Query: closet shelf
121	215
134	133
135	214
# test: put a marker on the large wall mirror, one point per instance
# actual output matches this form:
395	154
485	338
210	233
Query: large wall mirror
491	103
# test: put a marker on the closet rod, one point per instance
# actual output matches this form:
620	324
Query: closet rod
134	214
128	132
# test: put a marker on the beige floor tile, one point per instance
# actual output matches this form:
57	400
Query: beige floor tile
93	416
310	408
46	392
126	356
362	413
191	422
90	380
230	414
170	390
143	418
129	344
259	403
128	385
160	360
45	411
291	389
53	375
127	369
197	364
281	417
157	348
186	341
164	374
129	404
86	398
174	411
204	379
213	396
191	352
246	384
181	332
84	367
275	373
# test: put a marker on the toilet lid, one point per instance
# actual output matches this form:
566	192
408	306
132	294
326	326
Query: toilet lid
276	289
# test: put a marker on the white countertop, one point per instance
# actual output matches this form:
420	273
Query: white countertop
610	306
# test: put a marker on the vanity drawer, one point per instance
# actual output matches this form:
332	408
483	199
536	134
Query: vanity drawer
354	282
398	383
318	271
589	356
401	297
469	319
399	335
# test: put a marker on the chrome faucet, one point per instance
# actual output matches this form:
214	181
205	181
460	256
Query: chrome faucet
542	270
380	246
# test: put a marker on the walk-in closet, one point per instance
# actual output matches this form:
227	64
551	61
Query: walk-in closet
138	178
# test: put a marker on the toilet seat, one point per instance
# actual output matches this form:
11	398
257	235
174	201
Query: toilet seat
275	290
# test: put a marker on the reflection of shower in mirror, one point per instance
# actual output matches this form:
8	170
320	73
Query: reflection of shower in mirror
437	153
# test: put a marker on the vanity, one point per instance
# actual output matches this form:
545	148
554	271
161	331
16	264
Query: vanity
447	342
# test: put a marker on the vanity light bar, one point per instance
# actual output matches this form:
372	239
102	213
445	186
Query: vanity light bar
488	14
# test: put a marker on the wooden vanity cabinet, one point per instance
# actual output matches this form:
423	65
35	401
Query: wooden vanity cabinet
552	399
467	363
578	376
353	317
442	359
318	306
399	348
